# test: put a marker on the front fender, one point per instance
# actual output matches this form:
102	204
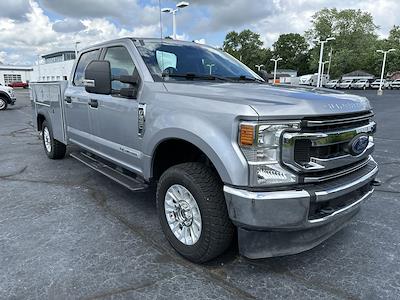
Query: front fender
213	141
6	96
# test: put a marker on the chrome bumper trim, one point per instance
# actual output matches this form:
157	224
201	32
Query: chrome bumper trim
342	210
316	179
346	188
266	195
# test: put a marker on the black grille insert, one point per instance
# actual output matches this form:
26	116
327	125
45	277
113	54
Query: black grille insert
322	209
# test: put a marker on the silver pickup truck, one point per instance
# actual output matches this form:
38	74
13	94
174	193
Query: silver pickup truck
281	167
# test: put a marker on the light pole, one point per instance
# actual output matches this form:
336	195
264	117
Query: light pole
321	54
210	66
275	60
322	70
330	61
172	11
38	62
259	67
383	67
76	49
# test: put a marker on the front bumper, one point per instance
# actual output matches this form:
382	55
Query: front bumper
11	101
275	223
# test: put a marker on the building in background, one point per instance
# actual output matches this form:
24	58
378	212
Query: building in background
286	73
395	75
357	75
10	74
55	66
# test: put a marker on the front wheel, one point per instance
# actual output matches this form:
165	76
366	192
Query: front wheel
3	104
192	211
53	148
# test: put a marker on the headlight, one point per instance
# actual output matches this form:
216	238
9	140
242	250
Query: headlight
260	144
11	92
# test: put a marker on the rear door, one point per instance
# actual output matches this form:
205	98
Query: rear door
77	104
115	119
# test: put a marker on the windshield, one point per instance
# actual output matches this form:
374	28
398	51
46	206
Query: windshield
166	60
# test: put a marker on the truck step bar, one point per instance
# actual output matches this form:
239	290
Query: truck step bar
93	162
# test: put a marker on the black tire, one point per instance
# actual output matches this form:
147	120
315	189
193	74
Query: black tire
3	103
206	187
58	149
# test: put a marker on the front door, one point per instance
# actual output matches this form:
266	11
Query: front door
115	120
76	104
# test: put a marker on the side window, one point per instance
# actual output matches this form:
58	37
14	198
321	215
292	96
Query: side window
121	64
84	60
166	60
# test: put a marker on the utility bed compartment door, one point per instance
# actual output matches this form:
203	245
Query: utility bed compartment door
48	100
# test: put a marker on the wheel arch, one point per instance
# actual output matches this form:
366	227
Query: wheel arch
40	118
5	96
177	149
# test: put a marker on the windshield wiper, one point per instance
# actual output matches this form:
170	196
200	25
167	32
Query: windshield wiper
245	78
191	76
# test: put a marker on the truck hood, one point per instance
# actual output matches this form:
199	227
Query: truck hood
275	101
6	88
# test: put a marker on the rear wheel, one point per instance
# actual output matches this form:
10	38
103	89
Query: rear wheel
53	148
192	211
3	103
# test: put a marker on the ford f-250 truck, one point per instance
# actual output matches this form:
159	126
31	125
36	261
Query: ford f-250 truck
284	168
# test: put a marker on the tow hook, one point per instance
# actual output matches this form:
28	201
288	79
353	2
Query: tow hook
376	183
327	210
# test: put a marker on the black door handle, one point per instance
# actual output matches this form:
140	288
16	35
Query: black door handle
68	99
94	103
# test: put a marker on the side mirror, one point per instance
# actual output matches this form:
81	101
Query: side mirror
98	77
129	92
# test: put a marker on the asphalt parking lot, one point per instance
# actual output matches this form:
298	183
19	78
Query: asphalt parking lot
69	232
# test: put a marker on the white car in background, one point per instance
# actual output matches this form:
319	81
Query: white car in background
395	84
377	82
7	96
360	84
345	84
332	84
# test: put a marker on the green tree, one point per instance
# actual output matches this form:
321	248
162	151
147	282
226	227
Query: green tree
355	43
293	49
392	42
247	47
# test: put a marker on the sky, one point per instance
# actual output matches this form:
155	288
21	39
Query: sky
29	28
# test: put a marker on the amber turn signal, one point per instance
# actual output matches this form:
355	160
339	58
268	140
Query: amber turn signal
246	135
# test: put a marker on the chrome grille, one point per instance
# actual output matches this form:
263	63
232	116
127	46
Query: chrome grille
320	149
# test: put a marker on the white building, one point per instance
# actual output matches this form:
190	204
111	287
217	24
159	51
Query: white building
56	66
9	74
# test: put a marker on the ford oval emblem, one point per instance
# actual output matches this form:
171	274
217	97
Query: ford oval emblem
358	144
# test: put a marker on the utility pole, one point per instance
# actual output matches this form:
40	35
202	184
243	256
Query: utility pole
380	92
